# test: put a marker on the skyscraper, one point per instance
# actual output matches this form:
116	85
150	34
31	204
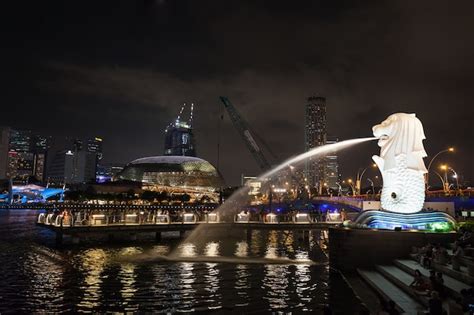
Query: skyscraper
4	143
21	158
315	136
94	145
331	167
179	137
72	167
74	160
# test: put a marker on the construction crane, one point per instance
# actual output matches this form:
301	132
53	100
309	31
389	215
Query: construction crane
244	130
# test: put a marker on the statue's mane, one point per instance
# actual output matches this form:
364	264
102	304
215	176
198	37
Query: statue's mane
406	138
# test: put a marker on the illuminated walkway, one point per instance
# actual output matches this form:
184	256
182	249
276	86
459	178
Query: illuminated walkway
82	223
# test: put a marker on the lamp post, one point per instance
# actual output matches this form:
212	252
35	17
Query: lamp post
339	193
359	178
372	185
427	178
349	181
455	176
445	168
441	179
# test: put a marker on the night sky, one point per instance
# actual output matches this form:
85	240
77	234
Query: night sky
122	69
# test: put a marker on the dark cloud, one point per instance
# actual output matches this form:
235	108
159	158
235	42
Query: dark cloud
121	69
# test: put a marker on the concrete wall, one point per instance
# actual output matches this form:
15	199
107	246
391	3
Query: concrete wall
354	248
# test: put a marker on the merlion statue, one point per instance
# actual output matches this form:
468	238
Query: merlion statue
401	163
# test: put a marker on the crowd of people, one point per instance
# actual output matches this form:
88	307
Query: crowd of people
433	286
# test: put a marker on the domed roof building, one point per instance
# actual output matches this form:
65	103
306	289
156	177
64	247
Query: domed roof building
176	174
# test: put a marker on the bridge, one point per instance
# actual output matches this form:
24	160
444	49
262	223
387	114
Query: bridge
356	203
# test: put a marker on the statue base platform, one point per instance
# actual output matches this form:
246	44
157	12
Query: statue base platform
433	221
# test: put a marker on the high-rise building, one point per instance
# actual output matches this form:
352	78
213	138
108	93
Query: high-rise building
179	137
26	155
315	136
94	145
74	160
72	167
20	140
4	144
331	167
39	147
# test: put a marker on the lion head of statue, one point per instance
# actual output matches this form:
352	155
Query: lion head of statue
401	133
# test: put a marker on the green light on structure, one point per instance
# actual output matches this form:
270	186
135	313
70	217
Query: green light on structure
440	227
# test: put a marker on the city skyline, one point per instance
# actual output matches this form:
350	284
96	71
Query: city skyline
99	78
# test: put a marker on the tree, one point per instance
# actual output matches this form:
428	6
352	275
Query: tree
130	194
162	196
73	195
89	193
185	197
148	195
205	199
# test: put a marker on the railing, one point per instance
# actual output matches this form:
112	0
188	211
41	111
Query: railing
98	219
110	219
272	218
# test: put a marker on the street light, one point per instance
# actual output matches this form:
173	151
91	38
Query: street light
450	149
455	176
372	184
359	177
441	179
349	181
445	168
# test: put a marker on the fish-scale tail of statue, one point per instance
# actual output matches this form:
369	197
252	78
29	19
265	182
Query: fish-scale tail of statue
404	189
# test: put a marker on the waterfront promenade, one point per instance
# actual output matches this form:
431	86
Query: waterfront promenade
109	222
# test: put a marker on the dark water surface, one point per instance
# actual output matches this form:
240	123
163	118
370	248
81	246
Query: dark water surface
99	276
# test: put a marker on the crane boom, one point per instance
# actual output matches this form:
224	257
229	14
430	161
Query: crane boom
243	129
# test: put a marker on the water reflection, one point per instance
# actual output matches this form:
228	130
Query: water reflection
212	279
187	250
185	286
275	284
303	281
212	249
45	272
93	262
242	284
162	250
128	277
93	278
242	249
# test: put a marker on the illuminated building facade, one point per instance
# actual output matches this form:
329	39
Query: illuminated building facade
106	172
26	155
315	136
175	174
331	168
74	160
94	145
4	143
179	137
72	167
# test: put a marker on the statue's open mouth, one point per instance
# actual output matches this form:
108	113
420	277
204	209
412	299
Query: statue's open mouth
382	140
